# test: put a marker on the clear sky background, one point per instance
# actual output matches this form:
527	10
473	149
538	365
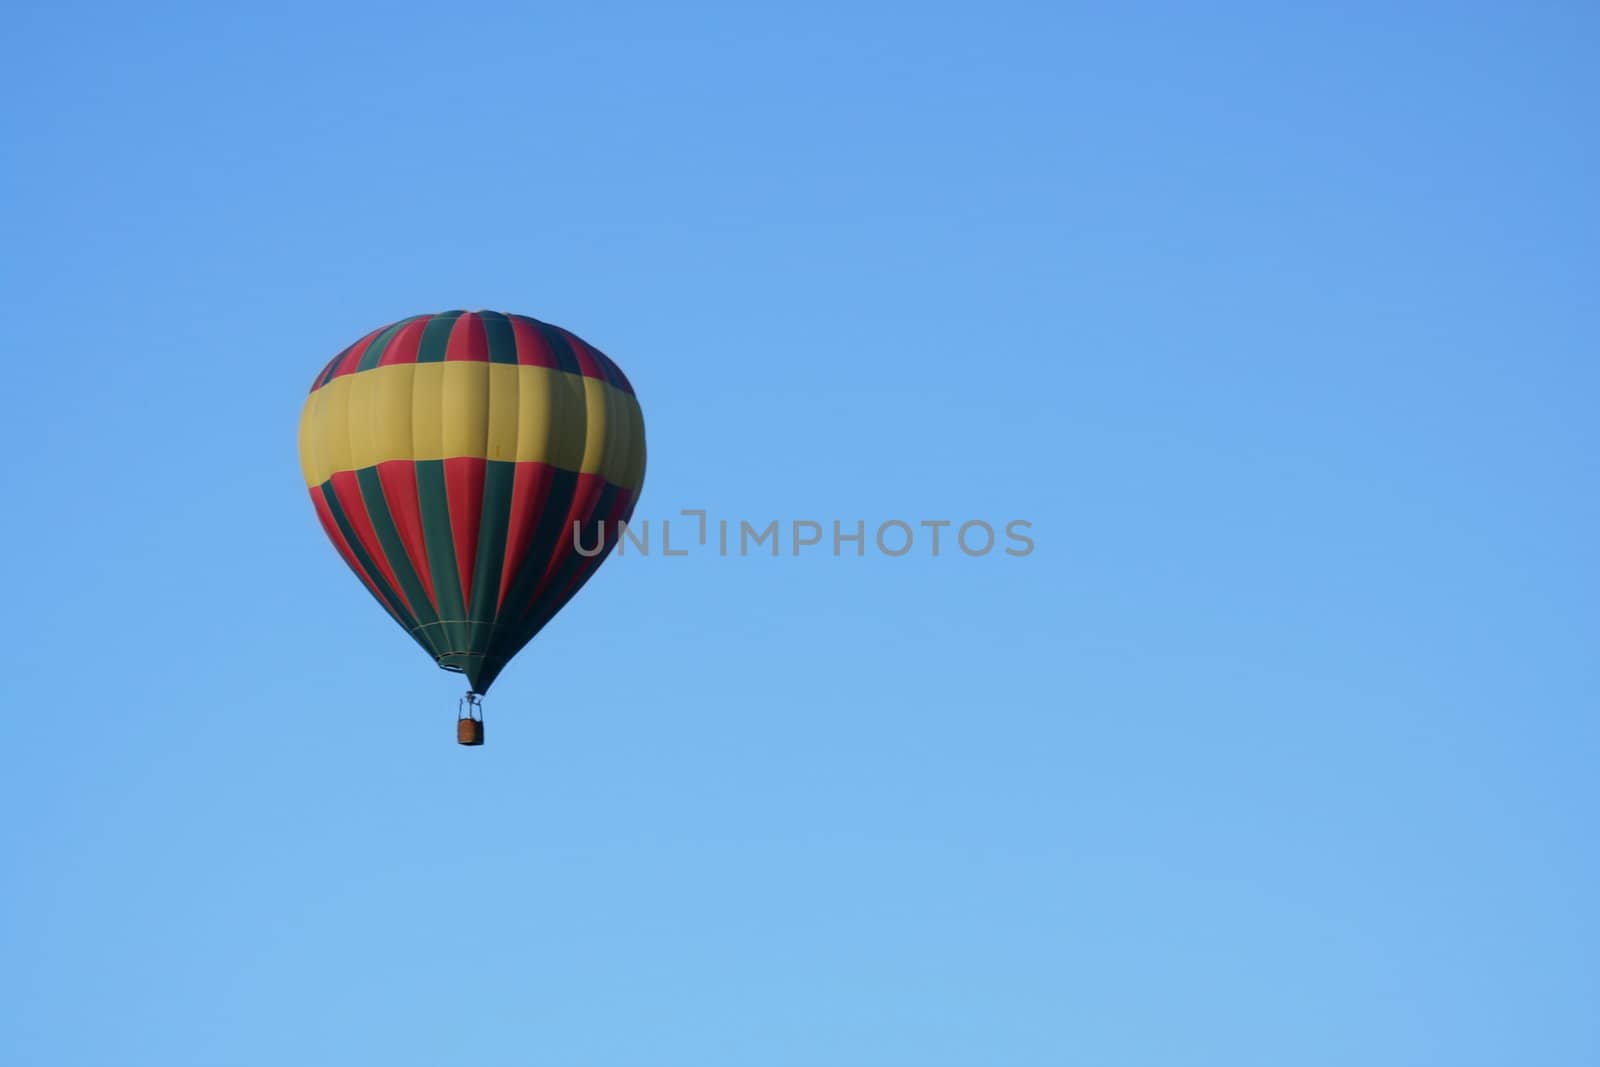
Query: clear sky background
1277	322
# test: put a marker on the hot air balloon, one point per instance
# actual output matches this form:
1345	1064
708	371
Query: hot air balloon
449	458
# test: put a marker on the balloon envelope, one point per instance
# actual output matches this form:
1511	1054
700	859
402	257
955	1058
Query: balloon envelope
448	457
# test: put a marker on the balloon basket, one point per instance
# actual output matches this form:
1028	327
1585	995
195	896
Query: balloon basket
469	720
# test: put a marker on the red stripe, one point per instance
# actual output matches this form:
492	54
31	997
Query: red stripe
403	346
348	491
585	496
347	364
588	366
616	373
621	510
531	349
331	528
316	383
468	342
463	487
399	480
530	488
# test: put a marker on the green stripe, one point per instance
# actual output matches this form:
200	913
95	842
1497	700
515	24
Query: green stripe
380	345
556	593
450	631
511	631
386	595
562	588
394	551
493	526
502	338
557	342
327	372
436	337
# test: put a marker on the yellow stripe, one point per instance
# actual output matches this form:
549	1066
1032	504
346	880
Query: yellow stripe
424	411
426	425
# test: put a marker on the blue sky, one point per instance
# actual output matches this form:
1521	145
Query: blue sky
1278	325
